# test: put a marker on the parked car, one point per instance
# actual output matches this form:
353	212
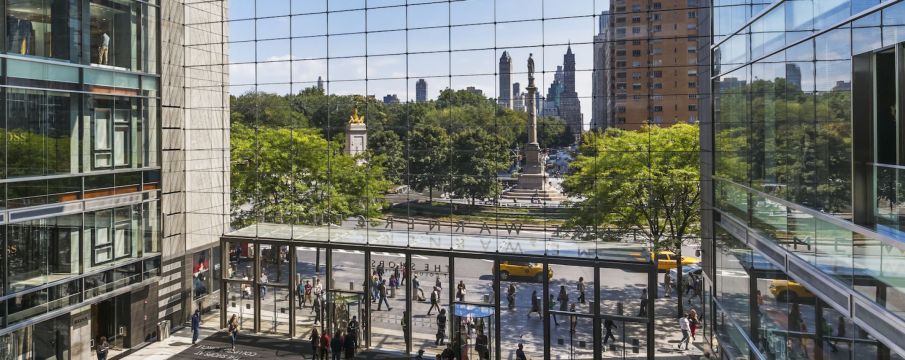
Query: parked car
789	291
687	272
509	269
666	260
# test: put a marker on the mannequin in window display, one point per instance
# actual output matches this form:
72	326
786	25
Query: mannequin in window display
103	50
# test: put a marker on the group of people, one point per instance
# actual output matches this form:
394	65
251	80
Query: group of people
342	345
692	285
382	288
688	324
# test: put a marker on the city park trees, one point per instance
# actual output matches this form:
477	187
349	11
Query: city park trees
646	180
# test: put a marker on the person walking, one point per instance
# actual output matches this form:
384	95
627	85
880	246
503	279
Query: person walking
196	325
420	355
397	274
336	345
103	349
510	296
263	288
684	326
375	284
693	323
667	285
435	301
441	327
460	291
352	331
325	346
535	304
581	295
437	283
380	271
573	320
308	289
563	299
609	325
382	296
300	292
233	328
315	339
520	353
416	288
349	346
394	283
316	308
642	312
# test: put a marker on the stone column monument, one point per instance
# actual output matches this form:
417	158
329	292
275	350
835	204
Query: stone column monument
533	176
533	181
356	135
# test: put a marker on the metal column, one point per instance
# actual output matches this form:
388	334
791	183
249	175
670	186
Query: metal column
366	329
496	314
598	346
293	293
408	303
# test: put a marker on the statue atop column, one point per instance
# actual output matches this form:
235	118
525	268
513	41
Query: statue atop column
530	70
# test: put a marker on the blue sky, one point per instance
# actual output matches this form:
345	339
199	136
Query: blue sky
370	40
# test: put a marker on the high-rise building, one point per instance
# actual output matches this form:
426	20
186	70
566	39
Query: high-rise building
320	83
421	91
474	90
391	99
505	99
116	172
569	103
802	226
653	57
600	101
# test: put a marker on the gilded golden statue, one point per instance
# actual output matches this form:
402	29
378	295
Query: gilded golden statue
355	118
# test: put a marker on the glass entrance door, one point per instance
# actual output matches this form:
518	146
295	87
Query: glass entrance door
473	331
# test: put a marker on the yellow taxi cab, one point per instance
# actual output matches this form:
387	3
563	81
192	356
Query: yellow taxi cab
666	260
509	269
787	290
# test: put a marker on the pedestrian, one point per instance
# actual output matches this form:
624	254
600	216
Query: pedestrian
300	291
697	284
581	295
325	346
382	296
684	326
318	288
396	273
375	284
405	325
693	323
315	339
520	353
563	298
609	325
573	319
416	288
103	349
667	285
642	312
263	288
420	355
349	346
316	308
535	304
196	325
828	330
460	291
380	271
394	284
336	345
481	345
437	283
510	296
435	301
441	327
308	289
233	328
689	284
352	330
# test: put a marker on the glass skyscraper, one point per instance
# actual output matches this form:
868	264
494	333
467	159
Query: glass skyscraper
801	170
85	183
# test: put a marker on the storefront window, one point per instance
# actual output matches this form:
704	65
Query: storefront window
46	28
201	271
115	133
112	234
40	251
41	133
114	33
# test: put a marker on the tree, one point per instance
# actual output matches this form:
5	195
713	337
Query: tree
297	176
477	157
428	154
387	150
647	180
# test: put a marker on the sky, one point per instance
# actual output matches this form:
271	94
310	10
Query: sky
282	46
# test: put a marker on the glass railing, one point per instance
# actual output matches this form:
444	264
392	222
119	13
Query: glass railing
867	262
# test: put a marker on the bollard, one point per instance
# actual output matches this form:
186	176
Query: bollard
619	309
636	347
561	341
